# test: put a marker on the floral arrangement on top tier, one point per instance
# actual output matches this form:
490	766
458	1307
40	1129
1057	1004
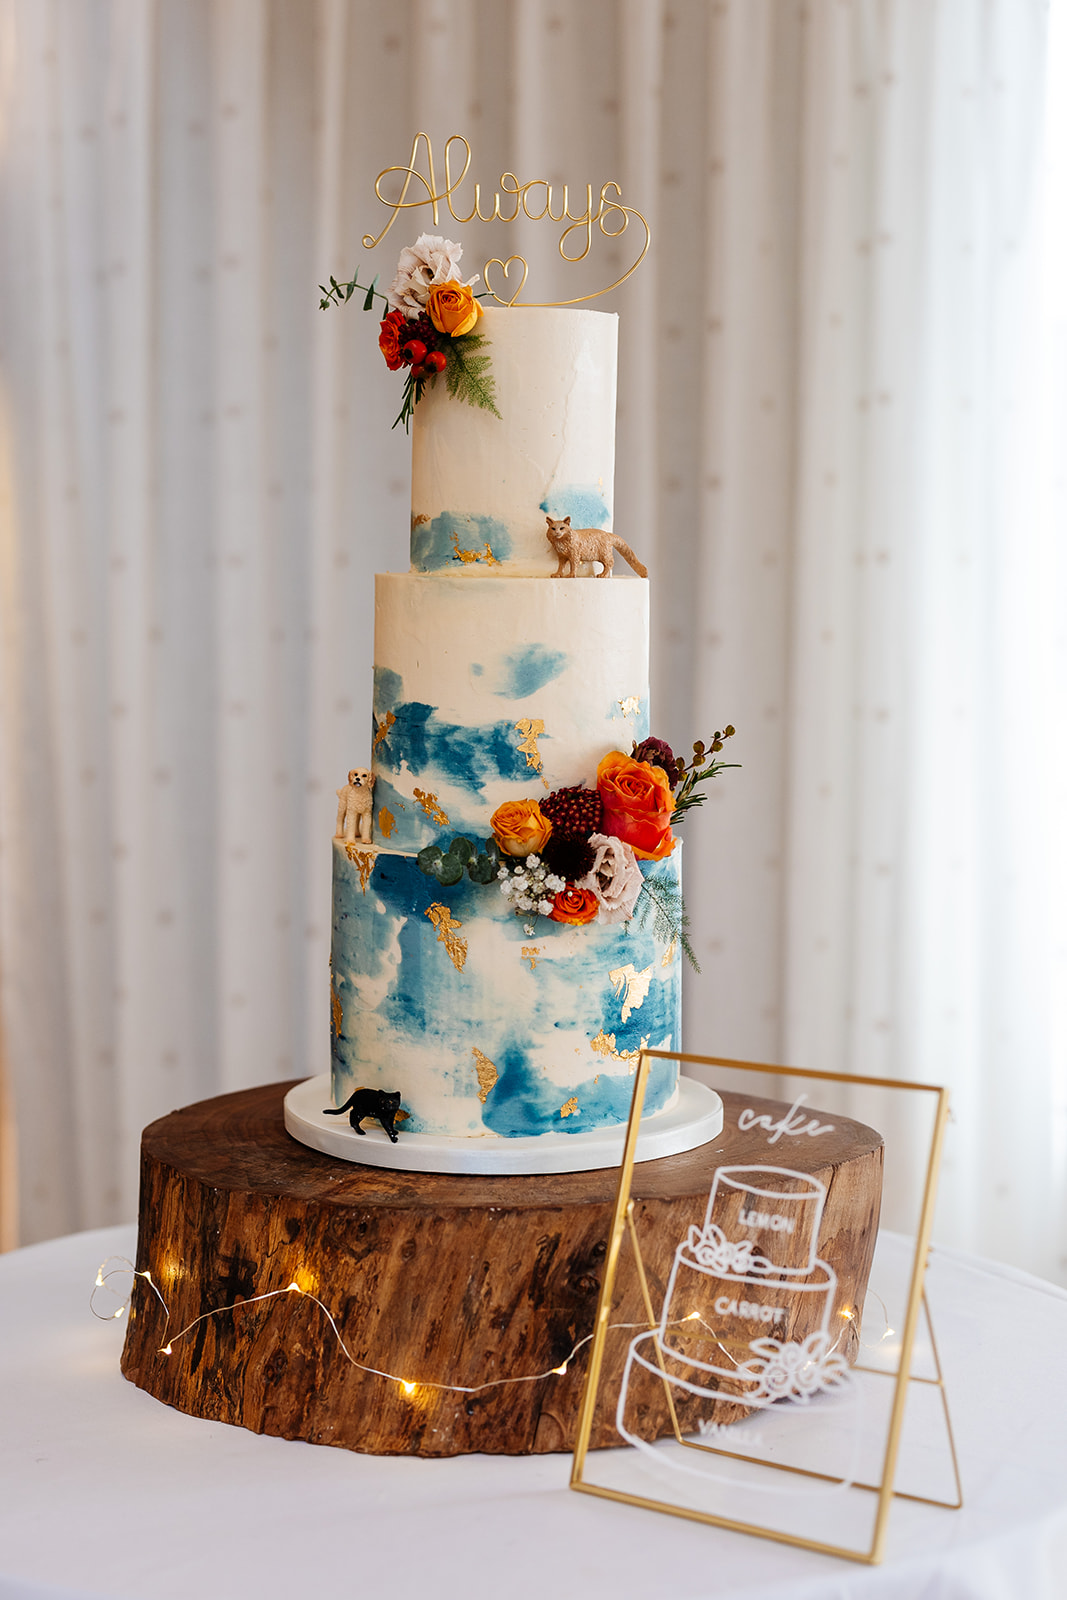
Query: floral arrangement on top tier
431	325
575	856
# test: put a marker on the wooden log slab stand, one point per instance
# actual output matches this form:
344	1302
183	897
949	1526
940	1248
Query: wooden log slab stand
432	1279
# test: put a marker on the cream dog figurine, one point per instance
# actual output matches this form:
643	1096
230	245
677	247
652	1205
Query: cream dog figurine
355	805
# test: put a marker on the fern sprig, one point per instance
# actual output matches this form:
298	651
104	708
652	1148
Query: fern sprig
661	899
467	372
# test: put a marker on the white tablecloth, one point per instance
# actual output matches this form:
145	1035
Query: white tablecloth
103	1491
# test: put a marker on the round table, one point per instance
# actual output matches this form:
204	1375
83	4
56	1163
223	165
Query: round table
108	1492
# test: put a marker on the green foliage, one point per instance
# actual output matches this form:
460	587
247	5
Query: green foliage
661	899
410	399
339	294
482	869
697	773
448	866
467	373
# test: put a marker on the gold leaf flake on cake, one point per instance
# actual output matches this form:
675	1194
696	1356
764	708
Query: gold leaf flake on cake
418	520
446	925
467	556
429	804
531	729
631	987
668	954
530	953
363	861
336	1009
386	823
487	1073
569	1108
630	706
382	730
604	1045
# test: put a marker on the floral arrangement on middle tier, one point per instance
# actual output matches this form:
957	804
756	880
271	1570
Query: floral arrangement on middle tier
575	856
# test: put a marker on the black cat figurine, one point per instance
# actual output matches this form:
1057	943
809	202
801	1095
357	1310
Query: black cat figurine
370	1103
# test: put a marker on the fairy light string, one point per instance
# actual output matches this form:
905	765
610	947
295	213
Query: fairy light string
121	1266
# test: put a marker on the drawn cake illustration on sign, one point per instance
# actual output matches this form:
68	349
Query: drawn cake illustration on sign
748	1314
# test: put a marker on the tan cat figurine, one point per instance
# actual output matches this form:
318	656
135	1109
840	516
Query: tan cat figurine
588	544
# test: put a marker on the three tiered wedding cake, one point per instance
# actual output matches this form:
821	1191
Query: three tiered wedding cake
503	984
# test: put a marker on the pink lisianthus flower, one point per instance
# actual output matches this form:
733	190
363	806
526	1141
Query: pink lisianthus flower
615	878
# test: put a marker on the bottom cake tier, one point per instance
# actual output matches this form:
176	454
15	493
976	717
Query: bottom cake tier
486	1023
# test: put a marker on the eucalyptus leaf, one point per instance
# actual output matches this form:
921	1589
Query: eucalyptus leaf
448	871
481	869
427	859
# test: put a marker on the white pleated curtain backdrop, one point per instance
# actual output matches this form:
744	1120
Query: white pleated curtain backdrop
818	389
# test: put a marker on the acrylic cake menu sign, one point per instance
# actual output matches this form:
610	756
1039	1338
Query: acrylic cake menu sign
586	214
767	1391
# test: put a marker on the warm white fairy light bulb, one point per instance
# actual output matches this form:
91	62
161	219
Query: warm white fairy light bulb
408	1388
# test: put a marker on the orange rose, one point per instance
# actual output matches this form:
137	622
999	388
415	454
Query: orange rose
390	339
453	308
520	827
574	905
637	803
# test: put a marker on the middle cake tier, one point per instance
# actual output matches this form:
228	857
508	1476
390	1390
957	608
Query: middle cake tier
495	689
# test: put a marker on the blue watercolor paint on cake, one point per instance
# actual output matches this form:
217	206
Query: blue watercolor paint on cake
582	502
388	691
466	757
525	671
434	543
403	997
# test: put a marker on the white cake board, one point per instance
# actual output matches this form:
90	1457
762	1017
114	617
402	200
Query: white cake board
694	1119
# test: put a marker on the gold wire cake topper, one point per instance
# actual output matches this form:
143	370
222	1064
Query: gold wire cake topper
601	213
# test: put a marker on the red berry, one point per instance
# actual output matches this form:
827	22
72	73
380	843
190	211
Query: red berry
435	361
414	351
418	371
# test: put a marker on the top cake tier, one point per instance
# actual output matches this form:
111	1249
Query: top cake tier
481	486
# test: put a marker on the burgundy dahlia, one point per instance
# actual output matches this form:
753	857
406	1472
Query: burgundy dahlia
568	858
658	753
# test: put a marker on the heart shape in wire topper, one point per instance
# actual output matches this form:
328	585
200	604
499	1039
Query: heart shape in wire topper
533	201
505	267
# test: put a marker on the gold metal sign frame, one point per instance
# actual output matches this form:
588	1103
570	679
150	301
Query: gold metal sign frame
934	1101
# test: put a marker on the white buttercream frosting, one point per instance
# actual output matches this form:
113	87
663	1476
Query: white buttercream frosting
481	480
471	670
